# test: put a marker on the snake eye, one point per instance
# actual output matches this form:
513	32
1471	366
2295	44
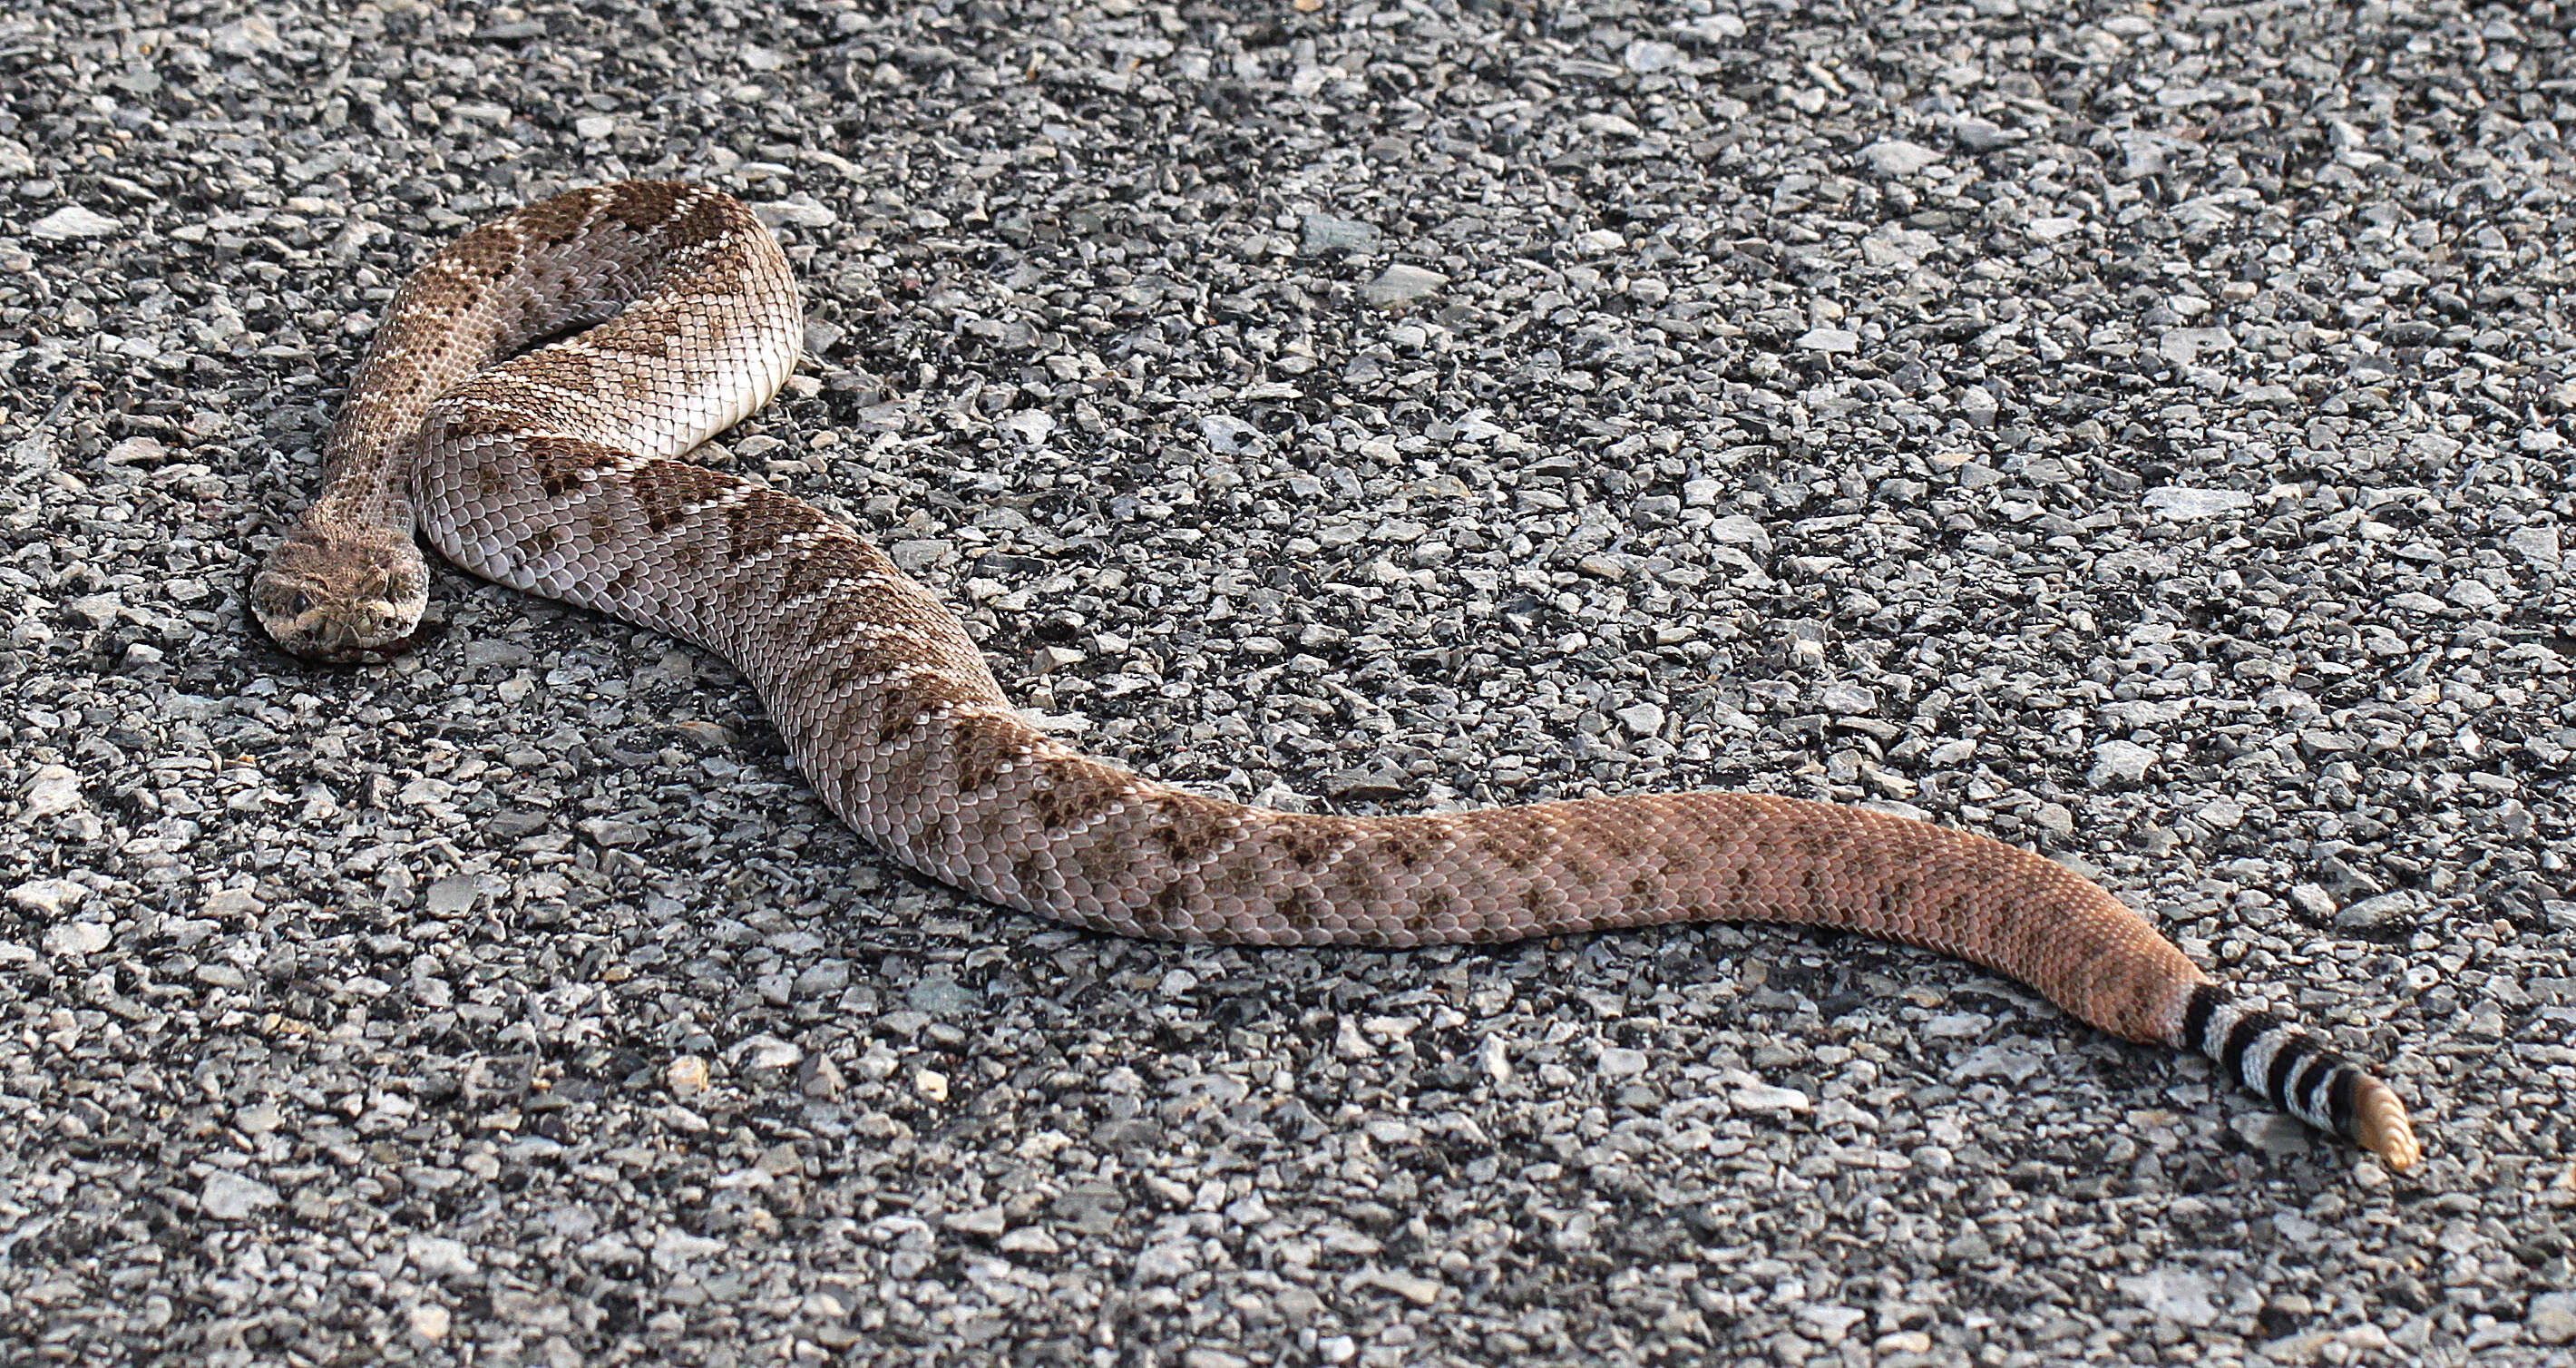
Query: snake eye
299	605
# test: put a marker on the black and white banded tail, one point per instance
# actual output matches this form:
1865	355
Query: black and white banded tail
2299	1072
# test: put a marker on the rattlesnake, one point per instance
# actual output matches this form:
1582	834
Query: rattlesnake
557	472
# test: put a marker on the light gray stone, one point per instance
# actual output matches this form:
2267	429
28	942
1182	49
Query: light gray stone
1897	157
228	1196
72	222
2179	1295
2178	504
2119	764
1402	284
1325	233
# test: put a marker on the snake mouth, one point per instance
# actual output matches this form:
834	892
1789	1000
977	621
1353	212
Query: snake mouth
307	623
353	655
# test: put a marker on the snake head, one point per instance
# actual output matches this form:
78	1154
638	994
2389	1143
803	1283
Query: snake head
342	594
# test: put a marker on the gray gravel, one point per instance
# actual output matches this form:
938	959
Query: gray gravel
2137	433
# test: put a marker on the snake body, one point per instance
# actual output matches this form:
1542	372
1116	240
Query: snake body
559	471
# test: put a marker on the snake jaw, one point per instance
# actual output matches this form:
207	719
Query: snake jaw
341	596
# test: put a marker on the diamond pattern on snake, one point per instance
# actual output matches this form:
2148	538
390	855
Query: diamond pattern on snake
561	471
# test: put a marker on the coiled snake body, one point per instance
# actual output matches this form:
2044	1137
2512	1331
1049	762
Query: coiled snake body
559	472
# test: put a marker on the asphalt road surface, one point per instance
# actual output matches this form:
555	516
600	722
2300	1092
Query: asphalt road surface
2137	433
